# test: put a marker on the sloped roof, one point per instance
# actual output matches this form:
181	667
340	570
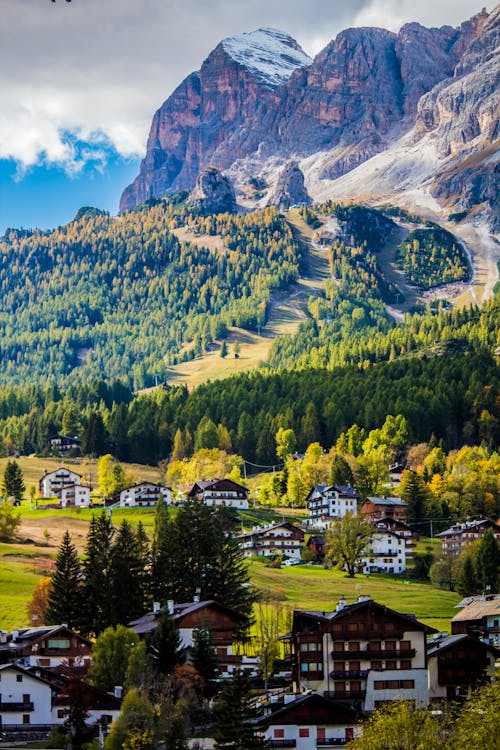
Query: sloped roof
478	610
348	609
389	501
338	711
149	622
441	644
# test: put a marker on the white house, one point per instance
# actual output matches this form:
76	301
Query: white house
220	492
25	699
265	541
48	646
328	502
77	495
387	553
144	495
53	482
310	721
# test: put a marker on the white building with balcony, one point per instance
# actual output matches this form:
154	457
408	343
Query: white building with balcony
266	541
328	502
386	554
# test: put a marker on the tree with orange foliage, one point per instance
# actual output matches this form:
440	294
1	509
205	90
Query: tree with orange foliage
37	608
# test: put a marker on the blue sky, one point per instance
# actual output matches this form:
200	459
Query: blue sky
80	82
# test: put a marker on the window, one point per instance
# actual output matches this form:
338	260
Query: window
376	665
407	684
61	713
390	664
19	678
303	731
26	697
59	643
390	645
405	645
379	684
279	734
405	664
26	718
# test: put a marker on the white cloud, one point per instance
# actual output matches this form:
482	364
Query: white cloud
98	69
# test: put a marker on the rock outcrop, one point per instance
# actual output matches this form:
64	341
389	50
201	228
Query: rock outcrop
289	189
213	193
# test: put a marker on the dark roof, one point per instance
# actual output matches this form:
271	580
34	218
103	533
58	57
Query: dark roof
342	489
26	636
441	644
266	529
462	528
205	485
149	622
338	712
389	501
393	522
316	539
348	609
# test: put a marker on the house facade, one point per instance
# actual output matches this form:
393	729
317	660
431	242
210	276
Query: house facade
53	482
383	507
328	502
399	528
266	541
145	495
480	618
220	492
316	546
25	700
48	646
458	664
457	537
362	652
63	444
310	722
222	622
76	495
386	554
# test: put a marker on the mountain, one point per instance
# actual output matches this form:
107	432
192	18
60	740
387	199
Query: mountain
259	102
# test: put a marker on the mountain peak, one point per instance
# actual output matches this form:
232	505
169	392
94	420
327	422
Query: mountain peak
269	54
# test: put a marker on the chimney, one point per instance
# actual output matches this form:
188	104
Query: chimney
3	636
118	690
156	608
340	606
362	598
196	597
170	606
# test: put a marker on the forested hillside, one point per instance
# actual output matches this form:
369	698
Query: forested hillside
449	389
119	297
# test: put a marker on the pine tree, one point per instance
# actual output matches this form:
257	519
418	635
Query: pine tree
468	584
414	492
145	556
65	599
95	590
13	482
488	563
234	716
166	645
203	657
95	439
126	596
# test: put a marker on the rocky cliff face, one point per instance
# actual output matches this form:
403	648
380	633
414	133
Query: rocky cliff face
213	193
289	188
259	102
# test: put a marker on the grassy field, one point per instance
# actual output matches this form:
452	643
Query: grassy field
313	587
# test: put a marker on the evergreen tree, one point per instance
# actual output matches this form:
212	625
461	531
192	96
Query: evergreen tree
223	350
488	563
341	473
96	615
166	645
145	557
414	492
206	434
203	657
234	716
467	584
95	439
65	599
126	595
13	482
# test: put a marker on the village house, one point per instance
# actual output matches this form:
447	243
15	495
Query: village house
396	474
457	537
383	507
386	554
457	665
328	502
76	495
25	700
222	622
145	495
480	618
47	646
316	546
53	482
401	529
267	541
310	722
220	492
362	652
63	444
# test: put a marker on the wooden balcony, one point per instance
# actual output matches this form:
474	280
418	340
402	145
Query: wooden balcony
349	674
374	653
282	743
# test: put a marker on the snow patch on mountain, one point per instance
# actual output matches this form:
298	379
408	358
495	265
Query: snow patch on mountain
269	54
